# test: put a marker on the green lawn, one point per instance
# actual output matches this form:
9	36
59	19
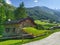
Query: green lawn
34	31
13	42
46	25
9	42
39	22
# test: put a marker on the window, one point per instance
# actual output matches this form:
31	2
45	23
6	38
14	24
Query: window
7	29
14	30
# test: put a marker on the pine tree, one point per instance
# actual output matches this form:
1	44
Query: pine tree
2	12
2	1
20	12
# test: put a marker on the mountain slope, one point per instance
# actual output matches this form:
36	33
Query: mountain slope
43	13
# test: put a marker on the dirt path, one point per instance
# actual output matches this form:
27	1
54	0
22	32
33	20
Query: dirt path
53	39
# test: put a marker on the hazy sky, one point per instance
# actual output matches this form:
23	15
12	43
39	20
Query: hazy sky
54	4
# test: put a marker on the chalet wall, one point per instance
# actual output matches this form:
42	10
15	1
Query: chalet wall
11	29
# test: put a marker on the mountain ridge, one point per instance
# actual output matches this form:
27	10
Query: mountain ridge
44	13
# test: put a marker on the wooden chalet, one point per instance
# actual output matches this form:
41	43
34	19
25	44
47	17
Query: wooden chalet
13	28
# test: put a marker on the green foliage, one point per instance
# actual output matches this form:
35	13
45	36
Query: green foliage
2	14
6	12
2	1
21	11
1	29
9	12
39	27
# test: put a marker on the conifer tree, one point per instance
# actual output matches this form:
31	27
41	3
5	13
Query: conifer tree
20	12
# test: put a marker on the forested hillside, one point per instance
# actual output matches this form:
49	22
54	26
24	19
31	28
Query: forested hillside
44	13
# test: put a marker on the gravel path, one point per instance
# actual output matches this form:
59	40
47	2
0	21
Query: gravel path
53	39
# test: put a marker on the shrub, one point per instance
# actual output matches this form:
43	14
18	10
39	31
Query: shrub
39	27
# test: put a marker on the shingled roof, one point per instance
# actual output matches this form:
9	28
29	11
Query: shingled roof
19	20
